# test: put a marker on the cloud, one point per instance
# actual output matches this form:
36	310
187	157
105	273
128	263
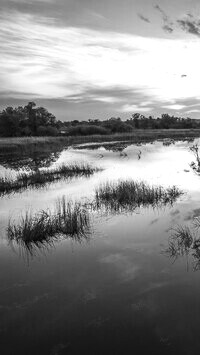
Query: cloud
135	108
174	107
167	24
167	28
126	268
31	1
143	18
39	57
190	26
193	111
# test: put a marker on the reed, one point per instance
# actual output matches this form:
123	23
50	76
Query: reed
128	195
69	220
42	177
181	242
185	242
29	145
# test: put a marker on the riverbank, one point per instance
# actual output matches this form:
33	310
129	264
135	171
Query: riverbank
31	145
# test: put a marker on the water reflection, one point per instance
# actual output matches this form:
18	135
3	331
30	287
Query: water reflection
72	220
110	146
116	290
33	162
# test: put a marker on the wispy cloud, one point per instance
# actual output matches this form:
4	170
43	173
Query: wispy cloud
193	111
135	108
39	57
143	18
31	1
167	23
174	107
190	25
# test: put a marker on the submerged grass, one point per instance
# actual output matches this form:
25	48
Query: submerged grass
39	231
41	177
128	195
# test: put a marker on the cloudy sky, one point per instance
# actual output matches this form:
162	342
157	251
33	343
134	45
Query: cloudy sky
100	58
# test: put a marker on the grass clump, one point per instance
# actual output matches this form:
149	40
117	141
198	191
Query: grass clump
41	177
195	165
180	242
128	195
41	230
185	242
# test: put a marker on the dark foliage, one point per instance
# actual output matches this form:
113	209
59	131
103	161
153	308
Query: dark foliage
27	121
37	121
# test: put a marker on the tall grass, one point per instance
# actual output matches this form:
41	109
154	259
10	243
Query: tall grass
128	195
41	230
30	145
41	177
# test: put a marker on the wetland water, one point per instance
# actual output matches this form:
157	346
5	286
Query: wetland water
117	291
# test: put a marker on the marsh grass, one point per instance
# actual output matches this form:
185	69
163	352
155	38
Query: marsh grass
195	165
29	145
128	195
185	242
180	242
40	231
41	177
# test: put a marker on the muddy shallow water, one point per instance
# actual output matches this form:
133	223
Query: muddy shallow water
117	292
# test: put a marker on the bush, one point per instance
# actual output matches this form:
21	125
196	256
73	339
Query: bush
117	126
86	130
47	131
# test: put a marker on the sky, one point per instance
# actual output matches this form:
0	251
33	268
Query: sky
92	59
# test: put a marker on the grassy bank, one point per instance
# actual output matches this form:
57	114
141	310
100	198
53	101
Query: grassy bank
30	145
41	230
42	177
128	195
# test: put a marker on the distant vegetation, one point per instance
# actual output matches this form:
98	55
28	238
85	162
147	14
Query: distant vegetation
40	178
37	121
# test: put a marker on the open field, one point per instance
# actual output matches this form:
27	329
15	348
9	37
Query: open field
29	145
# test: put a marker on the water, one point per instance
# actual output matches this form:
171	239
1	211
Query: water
117	292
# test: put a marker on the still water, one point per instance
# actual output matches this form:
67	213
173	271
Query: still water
117	292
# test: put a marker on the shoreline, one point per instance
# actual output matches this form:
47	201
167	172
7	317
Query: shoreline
31	145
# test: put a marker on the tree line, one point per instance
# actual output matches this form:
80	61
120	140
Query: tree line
30	120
